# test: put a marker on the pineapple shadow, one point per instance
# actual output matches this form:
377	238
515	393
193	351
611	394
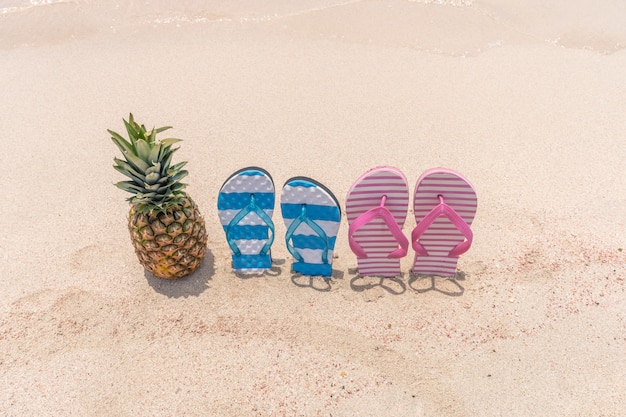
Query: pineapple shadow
190	286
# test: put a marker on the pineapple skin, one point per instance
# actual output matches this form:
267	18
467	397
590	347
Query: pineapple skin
169	244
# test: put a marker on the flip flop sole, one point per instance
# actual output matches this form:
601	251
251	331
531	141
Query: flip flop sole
320	207
442	236
375	237
251	233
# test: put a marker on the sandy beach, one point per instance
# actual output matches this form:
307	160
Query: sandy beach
525	99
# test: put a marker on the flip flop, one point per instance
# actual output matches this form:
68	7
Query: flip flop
376	207
312	216
444	206
245	206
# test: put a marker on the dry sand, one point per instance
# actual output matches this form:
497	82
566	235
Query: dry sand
526	99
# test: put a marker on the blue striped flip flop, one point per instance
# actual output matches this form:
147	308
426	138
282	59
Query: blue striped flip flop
312	216
245	206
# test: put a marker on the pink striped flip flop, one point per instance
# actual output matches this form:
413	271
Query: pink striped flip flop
444	205
376	207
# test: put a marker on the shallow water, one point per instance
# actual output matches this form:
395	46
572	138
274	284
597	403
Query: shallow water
462	28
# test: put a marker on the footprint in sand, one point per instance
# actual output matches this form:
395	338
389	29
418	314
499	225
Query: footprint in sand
98	257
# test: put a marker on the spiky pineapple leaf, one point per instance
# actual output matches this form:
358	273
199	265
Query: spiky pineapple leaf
152	136
170	141
178	166
178	187
136	178
129	186
136	162
126	167
156	168
154	182
154	153
159	189
178	176
133	133
165	164
121	143
161	129
147	196
143	149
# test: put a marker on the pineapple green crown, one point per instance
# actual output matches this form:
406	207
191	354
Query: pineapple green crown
153	181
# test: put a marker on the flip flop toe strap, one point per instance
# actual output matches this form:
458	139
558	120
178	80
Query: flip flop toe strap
302	218
383	213
442	209
250	208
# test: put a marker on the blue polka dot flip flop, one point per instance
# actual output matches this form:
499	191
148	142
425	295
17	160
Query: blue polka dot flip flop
312	216
245	206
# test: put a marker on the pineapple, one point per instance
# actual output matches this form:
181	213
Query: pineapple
165	225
